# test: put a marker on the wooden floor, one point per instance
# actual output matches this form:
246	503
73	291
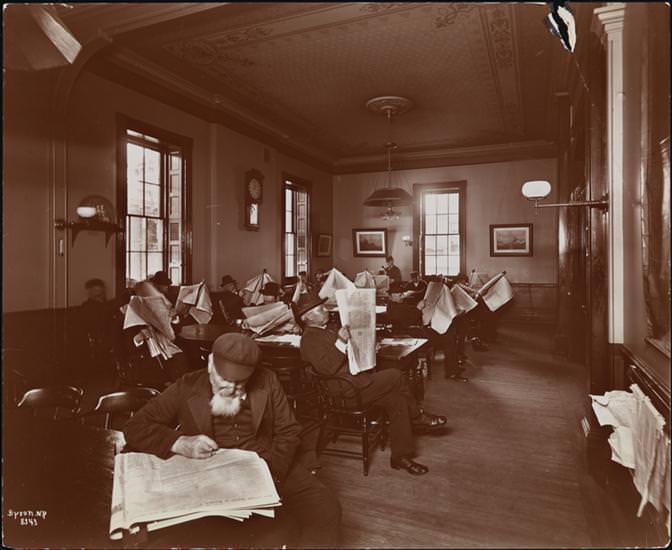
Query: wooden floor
508	473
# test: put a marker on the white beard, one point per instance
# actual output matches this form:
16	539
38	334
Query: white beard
226	406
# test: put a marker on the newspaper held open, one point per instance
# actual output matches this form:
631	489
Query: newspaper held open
233	483
357	310
196	299
335	281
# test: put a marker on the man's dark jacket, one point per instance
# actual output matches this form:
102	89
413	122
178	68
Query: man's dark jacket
187	404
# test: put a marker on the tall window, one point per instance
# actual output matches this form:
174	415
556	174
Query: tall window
153	199
296	210
440	229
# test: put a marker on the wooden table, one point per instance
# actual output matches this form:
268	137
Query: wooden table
203	334
60	469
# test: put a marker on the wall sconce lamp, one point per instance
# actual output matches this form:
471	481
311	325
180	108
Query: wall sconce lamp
95	213
407	240
537	190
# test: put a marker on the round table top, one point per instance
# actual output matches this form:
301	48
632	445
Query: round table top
203	333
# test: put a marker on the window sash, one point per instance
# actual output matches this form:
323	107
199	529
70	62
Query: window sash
442	241
296	255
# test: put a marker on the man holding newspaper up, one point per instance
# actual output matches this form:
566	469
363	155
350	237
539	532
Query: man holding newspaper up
237	404
330	353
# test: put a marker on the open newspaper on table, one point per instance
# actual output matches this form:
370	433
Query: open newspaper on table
261	320
335	281
153	314
438	307
196	299
496	292
158	493
357	310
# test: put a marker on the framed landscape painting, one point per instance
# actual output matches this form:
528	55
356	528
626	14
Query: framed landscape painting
511	239
324	245
369	242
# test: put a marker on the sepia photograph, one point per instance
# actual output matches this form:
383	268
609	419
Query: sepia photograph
344	275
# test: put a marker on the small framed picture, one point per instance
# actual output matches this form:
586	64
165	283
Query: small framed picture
369	242
512	239
324	245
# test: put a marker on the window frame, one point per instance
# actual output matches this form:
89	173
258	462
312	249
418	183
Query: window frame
419	191
167	140
302	185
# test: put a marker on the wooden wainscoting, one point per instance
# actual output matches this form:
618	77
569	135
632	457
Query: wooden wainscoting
533	303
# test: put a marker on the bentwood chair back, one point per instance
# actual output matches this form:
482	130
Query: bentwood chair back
300	387
344	414
119	406
58	399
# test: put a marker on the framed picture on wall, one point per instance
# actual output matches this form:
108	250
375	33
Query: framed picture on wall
369	242
511	239
323	245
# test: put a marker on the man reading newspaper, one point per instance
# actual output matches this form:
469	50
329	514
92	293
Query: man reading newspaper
237	404
327	352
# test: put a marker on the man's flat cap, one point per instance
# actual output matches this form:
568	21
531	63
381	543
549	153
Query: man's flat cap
236	356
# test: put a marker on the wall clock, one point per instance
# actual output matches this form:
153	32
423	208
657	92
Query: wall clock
254	190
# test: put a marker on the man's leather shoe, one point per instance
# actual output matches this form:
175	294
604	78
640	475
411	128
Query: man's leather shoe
426	422
412	467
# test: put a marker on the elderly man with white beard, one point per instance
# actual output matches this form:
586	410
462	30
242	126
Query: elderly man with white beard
237	404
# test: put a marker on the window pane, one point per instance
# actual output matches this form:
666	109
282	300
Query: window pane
442	265
453	265
175	207
453	225
289	266
289	205
442	224
175	254
175	161
154	262
430	245
289	243
154	234
454	203
430	224
134	197
137	234
137	268
134	162
442	245
430	204
152	200
442	203
176	275
430	265
152	166
174	231
289	222
454	245
175	184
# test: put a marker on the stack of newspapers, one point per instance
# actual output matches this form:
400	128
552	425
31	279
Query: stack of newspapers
159	493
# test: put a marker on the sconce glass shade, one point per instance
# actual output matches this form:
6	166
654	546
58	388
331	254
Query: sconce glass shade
536	190
97	208
389	197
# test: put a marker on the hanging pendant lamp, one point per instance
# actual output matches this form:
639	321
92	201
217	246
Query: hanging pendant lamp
389	197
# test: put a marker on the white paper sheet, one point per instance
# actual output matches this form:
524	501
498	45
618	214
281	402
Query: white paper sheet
463	301
497	294
294	340
335	281
428	303
276	316
252	291
146	489
365	280
196	298
438	307
357	310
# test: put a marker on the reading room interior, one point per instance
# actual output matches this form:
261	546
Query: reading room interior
336	275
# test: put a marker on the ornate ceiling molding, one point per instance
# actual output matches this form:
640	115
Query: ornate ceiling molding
455	156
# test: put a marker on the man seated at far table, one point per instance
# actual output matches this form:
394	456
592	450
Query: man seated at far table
415	289
326	350
230	303
237	404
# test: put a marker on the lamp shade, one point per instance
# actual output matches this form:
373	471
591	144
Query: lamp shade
96	207
536	190
388	197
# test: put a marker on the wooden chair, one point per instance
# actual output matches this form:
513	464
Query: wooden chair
299	385
58	398
344	414
121	404
406	321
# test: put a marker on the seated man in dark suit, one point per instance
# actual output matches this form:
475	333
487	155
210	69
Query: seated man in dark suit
414	290
392	271
230	303
237	404
325	350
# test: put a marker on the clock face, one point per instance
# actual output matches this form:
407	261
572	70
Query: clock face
254	188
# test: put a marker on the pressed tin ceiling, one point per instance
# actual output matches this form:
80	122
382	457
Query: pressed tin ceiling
478	74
